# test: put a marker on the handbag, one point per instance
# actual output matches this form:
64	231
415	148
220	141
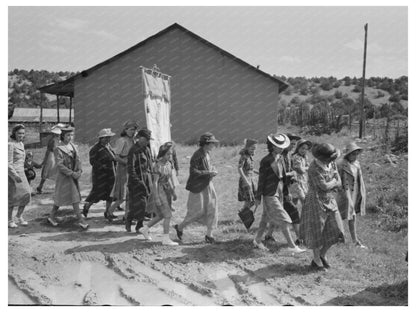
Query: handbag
247	216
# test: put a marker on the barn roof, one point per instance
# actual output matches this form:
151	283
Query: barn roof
66	87
21	114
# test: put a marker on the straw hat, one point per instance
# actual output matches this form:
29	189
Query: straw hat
105	133
56	130
280	140
325	152
351	147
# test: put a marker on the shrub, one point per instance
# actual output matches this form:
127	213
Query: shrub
338	94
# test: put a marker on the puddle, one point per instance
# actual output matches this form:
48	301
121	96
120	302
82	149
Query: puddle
92	283
226	287
261	292
17	296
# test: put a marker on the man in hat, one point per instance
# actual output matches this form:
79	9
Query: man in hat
139	183
270	189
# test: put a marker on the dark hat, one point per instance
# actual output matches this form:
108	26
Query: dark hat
164	148
351	147
145	133
302	142
208	137
68	129
293	137
249	142
325	152
130	124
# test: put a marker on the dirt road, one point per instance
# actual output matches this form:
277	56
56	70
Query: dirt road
107	266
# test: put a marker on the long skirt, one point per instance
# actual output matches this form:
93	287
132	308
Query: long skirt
120	184
320	228
49	170
165	208
102	185
19	193
202	207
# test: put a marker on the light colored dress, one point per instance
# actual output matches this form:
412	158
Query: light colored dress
300	187
121	148
165	190
352	199
66	187
19	193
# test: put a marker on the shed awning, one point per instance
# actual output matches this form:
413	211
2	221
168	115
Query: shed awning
64	88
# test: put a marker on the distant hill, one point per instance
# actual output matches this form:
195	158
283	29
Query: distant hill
23	87
384	94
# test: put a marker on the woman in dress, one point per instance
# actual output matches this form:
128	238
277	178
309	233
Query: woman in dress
19	189
300	165
351	200
102	160
163	193
121	149
272	189
202	201
69	171
49	169
246	185
321	224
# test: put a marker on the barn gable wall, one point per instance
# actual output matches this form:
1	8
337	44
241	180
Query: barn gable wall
210	92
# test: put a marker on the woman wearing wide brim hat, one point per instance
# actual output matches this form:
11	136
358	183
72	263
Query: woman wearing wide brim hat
321	224
49	169
67	189
102	160
352	198
271	188
121	149
202	203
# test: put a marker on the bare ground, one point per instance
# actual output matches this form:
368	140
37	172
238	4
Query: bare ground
108	266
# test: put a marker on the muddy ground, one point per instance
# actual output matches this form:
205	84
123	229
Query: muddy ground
108	266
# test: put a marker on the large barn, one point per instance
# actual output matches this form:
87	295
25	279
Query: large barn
211	90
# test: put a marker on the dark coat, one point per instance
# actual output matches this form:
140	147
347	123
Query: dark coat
199	172
271	177
103	172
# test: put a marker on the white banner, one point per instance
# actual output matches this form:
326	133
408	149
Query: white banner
157	108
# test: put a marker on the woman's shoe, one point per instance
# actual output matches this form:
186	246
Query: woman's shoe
209	239
22	221
316	267
178	233
358	244
260	245
145	231
296	249
325	263
167	241
83	226
52	222
269	238
108	217
85	211
12	224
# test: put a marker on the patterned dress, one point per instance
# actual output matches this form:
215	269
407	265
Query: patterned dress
121	148
49	169
165	190
300	187
246	192
321	223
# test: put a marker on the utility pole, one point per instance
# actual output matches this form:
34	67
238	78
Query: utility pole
362	119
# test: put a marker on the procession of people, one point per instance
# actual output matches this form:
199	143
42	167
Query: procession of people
310	197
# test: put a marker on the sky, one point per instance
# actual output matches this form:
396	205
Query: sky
290	41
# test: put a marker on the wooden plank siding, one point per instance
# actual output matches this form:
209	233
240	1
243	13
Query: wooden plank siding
210	92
